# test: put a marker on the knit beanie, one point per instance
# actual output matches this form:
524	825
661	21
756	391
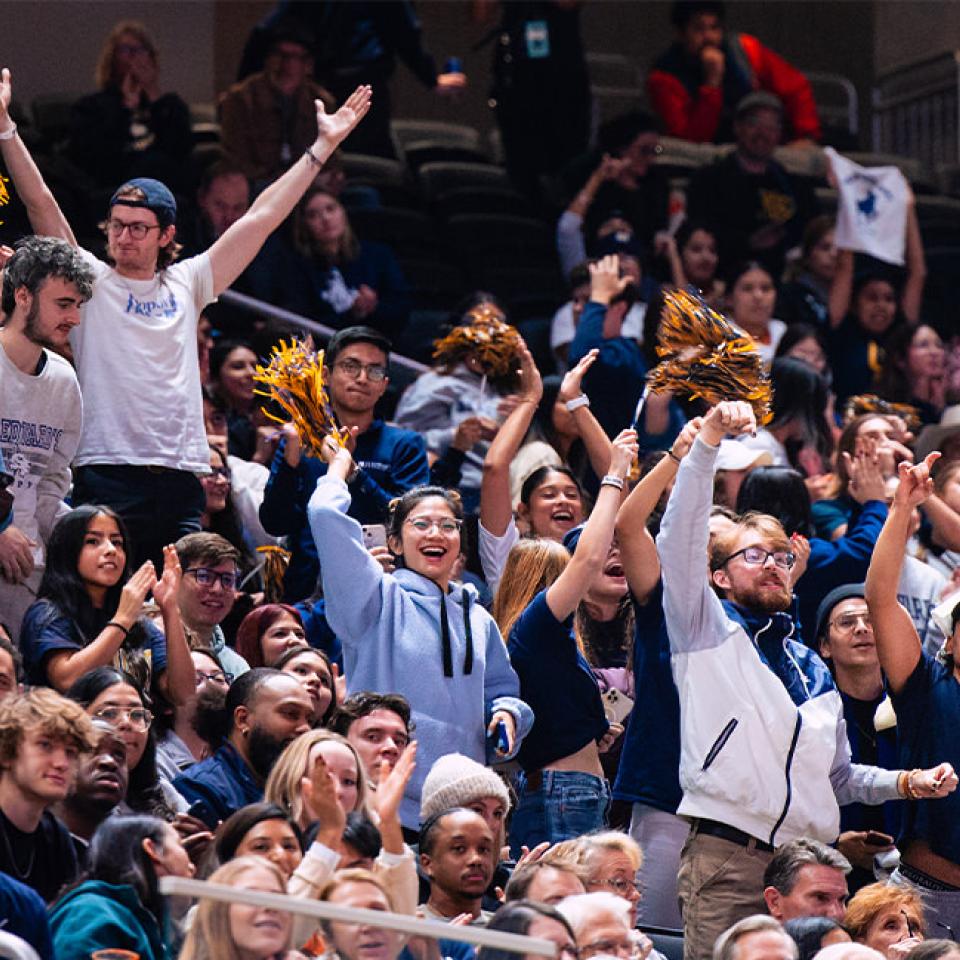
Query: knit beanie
455	781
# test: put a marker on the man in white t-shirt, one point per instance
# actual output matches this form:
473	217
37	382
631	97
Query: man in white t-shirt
44	284
143	440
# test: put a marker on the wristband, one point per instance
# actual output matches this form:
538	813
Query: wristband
673	456
312	157
9	134
611	480
119	626
582	401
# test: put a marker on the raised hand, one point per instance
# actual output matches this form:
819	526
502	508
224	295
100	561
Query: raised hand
605	280
531	384
320	802
624	452
469	434
6	95
134	592
332	129
165	589
800	546
393	783
728	418
571	385
866	476
915	483
683	443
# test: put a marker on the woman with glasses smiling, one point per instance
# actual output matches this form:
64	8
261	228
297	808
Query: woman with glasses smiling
416	632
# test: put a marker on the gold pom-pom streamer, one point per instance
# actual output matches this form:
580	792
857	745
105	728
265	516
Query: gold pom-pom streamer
295	382
870	403
274	567
493	342
707	357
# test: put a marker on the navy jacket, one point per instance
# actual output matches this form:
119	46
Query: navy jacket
218	786
391	460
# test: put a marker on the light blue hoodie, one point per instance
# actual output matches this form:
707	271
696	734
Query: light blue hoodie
390	627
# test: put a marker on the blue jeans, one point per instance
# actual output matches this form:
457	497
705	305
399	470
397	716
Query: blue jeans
565	805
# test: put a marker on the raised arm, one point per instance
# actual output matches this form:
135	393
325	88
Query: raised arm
496	509
898	644
232	253
594	438
566	592
841	288
45	215
641	565
912	297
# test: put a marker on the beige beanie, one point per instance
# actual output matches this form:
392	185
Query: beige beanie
455	781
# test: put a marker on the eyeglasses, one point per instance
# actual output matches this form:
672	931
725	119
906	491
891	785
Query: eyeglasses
376	372
218	677
219	472
623	948
130	49
137	230
621	887
849	621
140	719
206	577
757	557
448	527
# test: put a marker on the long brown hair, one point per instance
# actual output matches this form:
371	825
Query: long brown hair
532	566
303	241
105	76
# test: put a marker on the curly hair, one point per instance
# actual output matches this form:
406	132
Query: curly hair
35	260
47	711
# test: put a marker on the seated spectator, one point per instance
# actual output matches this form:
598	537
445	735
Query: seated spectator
756	938
694	257
100	787
757	209
801	341
696	85
806	878
179	744
463	693
219	513
264	711
42	736
325	272
45	282
269	119
547	880
261	830
269	631
804	298
11	666
914	370
390	459
89	609
314	670
236	931
118	905
222	198
888	917
565	320
379	727
611	861
207	593
751	297
110	695
232	366
457	855
129	128
602	925
812	934
935	950
26	915
532	919
360	889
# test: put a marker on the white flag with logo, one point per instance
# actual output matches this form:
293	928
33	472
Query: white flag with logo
871	209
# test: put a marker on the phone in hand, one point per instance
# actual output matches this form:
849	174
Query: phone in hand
616	705
502	739
374	535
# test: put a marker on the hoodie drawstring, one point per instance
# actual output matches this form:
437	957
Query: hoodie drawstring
468	635
445	636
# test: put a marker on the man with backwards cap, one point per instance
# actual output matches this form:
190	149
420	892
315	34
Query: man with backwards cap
143	440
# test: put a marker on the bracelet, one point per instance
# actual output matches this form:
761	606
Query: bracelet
910	791
119	626
313	157
9	134
673	456
582	401
612	480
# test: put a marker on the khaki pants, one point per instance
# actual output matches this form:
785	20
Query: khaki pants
719	883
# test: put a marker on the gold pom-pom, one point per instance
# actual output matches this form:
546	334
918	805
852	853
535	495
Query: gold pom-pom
295	382
707	357
275	561
870	403
494	343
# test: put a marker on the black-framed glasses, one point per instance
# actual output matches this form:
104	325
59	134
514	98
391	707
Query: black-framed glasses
376	372
218	472
137	230
218	677
757	557
206	577
139	717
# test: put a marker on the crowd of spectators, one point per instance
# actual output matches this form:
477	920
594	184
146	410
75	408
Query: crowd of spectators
488	686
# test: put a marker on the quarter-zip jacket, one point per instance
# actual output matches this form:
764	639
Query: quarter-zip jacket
763	740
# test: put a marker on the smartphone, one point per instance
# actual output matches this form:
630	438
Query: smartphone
374	535
502	740
616	705
876	839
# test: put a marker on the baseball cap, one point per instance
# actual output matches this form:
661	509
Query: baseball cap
734	455
758	100
157	197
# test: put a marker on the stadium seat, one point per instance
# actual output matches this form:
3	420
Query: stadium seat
442	176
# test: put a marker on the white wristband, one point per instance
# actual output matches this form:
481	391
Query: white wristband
9	134
582	401
612	480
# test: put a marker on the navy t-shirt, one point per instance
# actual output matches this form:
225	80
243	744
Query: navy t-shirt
46	630
928	717
557	682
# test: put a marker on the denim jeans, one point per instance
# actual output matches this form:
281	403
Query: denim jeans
157	505
566	805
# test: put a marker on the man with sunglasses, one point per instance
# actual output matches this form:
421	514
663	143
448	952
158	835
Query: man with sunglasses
390	460
764	753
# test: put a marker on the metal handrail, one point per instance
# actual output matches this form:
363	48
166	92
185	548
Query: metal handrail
253	305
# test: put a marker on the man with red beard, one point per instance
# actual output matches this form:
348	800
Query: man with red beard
764	753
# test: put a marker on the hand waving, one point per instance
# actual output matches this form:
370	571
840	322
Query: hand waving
332	129
6	94
165	589
571	385
915	483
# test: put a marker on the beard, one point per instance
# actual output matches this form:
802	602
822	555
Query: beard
31	328
768	599
263	751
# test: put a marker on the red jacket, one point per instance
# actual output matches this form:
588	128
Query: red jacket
697	117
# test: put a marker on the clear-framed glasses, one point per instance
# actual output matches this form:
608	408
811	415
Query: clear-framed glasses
207	577
849	621
448	526
376	372
757	557
137	230
622	888
139	717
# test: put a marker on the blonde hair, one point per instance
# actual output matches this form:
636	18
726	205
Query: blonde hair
765	526
532	566
609	841
44	709
284	786
351	875
105	75
868	902
210	936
